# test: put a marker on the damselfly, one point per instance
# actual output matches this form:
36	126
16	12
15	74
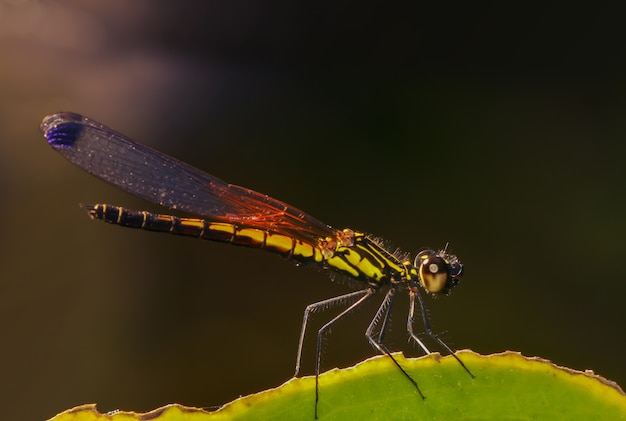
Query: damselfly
241	216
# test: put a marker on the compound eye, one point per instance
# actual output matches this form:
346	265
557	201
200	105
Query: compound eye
434	273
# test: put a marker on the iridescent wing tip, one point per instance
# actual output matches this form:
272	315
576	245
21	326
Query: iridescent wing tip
62	129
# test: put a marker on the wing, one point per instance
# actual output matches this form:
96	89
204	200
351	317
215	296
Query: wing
161	179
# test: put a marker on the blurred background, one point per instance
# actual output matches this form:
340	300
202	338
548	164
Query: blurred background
499	130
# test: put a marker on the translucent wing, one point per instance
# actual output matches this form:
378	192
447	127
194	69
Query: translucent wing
164	180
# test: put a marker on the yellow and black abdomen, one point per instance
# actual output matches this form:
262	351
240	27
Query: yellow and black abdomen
284	245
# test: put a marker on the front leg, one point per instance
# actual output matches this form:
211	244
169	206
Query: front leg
414	292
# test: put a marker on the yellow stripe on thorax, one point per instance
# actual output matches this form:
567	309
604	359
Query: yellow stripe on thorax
367	261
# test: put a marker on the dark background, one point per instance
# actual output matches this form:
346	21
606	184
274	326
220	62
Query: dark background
499	130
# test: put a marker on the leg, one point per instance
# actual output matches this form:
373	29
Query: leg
321	305
414	292
382	316
409	323
364	295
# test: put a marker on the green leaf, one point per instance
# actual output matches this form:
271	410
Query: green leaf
506	386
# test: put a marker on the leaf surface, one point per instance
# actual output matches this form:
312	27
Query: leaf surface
506	386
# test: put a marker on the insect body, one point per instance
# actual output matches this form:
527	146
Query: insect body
241	216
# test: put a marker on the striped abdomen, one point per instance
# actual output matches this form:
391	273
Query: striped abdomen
215	231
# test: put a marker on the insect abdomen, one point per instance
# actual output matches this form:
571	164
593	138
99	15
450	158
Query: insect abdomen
214	231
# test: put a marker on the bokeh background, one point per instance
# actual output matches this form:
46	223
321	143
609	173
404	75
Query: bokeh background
499	130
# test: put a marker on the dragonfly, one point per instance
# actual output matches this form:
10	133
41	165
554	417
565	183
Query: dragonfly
244	217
